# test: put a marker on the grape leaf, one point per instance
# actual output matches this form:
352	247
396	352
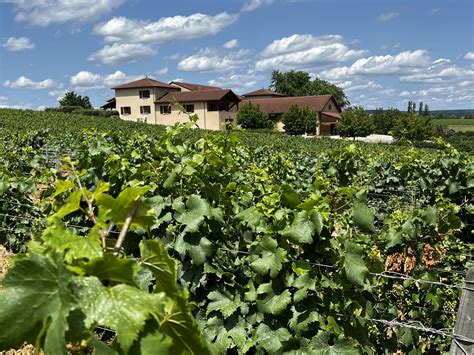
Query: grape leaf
37	297
223	303
301	229
354	263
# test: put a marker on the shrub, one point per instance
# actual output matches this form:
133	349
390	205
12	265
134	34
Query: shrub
299	120
250	116
413	126
355	122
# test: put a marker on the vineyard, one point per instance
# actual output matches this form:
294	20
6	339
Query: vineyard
135	238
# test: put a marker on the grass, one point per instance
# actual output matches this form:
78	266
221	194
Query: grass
453	122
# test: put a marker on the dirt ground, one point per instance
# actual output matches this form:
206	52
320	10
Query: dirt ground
5	256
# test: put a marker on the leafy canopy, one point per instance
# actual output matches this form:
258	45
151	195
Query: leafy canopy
251	117
73	99
299	83
355	122
299	120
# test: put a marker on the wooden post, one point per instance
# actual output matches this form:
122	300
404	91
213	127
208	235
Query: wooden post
465	318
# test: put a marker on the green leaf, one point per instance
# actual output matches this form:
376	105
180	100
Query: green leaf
62	186
37	297
275	304
197	209
117	209
153	343
394	237
301	230
289	197
430	216
364	217
224	303
354	263
318	221
112	268
75	247
319	345
155	257
72	205
272	340
122	308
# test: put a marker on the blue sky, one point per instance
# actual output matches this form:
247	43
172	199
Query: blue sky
383	53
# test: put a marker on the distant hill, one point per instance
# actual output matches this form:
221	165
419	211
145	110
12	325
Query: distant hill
451	113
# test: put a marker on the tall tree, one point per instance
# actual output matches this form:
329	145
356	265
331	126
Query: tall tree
73	99
420	108
409	108
299	83
426	111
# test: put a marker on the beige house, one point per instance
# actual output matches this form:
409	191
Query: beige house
152	101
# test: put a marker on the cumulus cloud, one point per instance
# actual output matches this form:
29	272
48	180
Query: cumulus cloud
124	30
252	5
16	44
439	72
24	83
44	13
122	53
387	16
207	60
236	81
88	80
402	63
469	56
232	44
306	51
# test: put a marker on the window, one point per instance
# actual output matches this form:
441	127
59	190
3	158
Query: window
127	110
330	107
189	108
144	94
211	107
165	110
145	110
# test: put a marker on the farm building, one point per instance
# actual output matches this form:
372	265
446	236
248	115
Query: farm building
327	110
152	101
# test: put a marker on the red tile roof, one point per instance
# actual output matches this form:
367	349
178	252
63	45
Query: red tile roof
195	87
145	83
194	96
263	92
283	104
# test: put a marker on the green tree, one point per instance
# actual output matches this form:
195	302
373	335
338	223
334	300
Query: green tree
426	110
420	108
299	120
355	122
73	99
413	126
251	117
384	120
299	83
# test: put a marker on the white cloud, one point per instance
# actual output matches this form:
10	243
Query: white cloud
402	63
236	81
162	71
122	53
252	5
435	11
441	71
305	51
46	12
232	44
124	30
207	60
387	16
469	56
24	83
14	44
86	79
